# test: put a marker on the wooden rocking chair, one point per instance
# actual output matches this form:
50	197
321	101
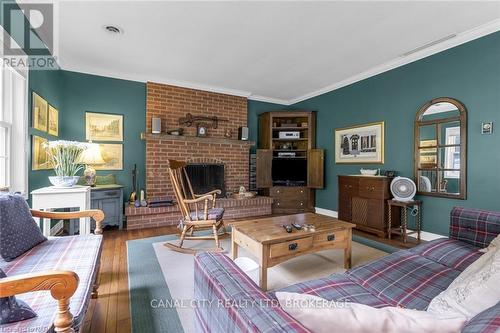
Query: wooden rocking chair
194	217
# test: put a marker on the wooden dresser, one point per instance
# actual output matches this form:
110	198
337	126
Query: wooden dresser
363	201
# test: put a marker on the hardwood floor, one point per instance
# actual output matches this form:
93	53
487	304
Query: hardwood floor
110	311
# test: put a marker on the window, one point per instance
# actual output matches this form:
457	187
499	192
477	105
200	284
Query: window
452	154
13	129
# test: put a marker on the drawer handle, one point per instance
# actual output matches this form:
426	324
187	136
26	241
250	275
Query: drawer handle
371	189
302	204
293	246
278	191
330	238
111	194
278	203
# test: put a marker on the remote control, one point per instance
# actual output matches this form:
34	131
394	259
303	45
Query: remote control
287	228
297	226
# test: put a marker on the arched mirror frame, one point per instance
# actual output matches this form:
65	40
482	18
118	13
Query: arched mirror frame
462	117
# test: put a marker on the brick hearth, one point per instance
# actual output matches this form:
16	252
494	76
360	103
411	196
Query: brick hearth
145	217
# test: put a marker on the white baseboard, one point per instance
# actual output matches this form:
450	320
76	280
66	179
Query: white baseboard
326	212
424	235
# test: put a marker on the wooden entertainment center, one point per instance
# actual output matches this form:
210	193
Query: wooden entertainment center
289	167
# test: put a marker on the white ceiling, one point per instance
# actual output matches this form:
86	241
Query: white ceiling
276	51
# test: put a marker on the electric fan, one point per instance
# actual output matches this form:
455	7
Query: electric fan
403	189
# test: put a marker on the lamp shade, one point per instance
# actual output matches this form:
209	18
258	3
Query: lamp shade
91	155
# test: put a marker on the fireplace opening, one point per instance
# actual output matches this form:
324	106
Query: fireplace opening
206	177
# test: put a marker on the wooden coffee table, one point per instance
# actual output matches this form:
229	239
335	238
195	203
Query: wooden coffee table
271	244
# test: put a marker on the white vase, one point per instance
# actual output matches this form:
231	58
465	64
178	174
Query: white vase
64	181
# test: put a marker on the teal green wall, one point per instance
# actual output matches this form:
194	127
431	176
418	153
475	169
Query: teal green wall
254	109
469	73
74	94
47	84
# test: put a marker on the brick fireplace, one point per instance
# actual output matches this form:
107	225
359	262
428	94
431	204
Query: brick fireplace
169	103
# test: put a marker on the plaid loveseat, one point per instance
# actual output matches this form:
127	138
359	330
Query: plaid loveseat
229	301
79	254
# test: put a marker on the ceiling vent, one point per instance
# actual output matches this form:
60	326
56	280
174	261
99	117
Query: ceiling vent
425	46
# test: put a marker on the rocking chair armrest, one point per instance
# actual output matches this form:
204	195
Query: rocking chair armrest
213	192
96	214
203	198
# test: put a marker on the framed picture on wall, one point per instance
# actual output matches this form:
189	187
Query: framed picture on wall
39	112
112	154
103	126
360	144
39	158
53	121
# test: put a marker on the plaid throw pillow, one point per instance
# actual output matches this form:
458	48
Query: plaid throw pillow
12	310
18	231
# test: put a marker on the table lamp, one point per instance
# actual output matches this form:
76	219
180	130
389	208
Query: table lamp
91	156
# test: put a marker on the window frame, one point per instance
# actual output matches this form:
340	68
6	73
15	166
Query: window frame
16	173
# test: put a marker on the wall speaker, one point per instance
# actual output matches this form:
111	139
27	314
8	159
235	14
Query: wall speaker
155	125
243	133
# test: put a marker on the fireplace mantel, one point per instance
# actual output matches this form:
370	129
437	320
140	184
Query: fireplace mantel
164	136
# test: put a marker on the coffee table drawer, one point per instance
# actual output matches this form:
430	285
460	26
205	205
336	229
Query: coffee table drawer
330	237
290	247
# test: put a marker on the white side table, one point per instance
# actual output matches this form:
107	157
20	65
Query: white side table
50	198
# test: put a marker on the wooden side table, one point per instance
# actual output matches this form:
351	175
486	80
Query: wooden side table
49	198
404	206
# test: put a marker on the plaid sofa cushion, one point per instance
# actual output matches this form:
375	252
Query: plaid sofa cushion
338	287
404	279
474	226
449	252
79	254
229	301
487	321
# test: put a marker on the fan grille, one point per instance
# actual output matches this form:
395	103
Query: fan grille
403	188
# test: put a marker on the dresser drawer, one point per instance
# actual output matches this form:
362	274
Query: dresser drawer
348	185
283	192
291	247
371	188
105	194
330	238
290	197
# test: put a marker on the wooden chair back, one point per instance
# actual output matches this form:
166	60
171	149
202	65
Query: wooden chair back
182	185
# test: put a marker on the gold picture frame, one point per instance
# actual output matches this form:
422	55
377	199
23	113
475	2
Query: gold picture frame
112	154
39	112
39	158
53	127
360	144
103	126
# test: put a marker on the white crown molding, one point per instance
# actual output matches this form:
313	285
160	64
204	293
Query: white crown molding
461	38
144	79
269	99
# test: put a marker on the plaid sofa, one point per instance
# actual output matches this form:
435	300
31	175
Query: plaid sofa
80	254
227	300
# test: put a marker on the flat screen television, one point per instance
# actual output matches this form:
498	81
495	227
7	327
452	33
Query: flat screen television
289	172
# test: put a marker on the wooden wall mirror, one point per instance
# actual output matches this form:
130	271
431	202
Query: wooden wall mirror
440	148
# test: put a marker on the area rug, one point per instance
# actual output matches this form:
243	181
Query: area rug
161	281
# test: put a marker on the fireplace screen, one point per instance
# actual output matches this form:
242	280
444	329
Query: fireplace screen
206	177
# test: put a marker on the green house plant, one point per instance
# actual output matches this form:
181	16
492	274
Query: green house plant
63	156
